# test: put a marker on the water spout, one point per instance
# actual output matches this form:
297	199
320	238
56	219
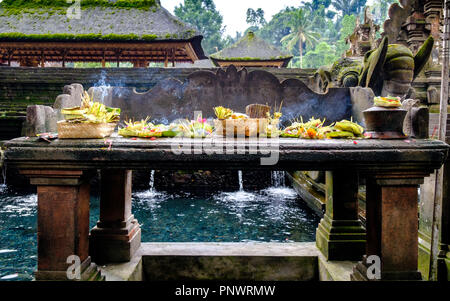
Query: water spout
3	171
241	183
278	179
152	181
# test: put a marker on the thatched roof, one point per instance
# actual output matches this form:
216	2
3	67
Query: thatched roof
101	20
251	49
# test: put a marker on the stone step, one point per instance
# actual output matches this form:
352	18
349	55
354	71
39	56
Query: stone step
230	261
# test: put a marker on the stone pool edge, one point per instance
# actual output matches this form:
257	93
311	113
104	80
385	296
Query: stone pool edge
300	261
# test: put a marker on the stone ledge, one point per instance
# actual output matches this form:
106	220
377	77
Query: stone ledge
215	261
335	270
229	249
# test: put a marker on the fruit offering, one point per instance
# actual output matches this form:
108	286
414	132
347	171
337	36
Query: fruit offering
387	102
142	129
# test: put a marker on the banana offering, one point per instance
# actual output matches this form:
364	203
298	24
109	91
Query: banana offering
314	129
91	112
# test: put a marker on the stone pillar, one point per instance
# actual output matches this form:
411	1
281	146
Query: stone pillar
63	223
340	235
117	235
392	226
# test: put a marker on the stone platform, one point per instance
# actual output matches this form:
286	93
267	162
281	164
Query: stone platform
219	261
393	170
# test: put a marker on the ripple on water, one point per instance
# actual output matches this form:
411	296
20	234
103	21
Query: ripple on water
18	236
271	215
9	277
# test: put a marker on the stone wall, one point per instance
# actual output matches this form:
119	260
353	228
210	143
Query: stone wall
43	85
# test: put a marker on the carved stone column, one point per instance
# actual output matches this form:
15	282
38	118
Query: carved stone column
392	226
63	223
117	235
340	235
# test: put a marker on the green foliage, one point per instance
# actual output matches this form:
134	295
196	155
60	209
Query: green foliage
256	18
276	28
315	4
349	7
380	9
204	16
301	32
324	54
318	18
348	26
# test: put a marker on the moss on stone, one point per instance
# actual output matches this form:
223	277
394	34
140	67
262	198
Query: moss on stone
397	50
17	36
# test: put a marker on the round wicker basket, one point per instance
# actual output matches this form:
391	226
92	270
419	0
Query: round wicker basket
72	130
251	127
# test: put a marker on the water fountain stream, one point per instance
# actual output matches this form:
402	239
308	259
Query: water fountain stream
278	178
241	183
152	181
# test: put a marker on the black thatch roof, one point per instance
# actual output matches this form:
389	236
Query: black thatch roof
101	20
251	48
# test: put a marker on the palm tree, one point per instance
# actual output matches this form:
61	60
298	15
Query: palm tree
349	7
301	31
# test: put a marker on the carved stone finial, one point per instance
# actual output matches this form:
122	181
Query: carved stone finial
362	39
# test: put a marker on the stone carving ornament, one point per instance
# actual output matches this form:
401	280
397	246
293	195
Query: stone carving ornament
388	69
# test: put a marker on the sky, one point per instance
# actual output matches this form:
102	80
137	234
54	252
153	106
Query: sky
234	11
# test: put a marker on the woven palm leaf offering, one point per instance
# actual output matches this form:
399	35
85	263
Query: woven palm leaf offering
343	129
141	129
315	129
229	123
272	123
146	129
90	120
199	128
305	130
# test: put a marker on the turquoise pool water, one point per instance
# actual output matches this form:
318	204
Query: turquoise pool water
273	214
